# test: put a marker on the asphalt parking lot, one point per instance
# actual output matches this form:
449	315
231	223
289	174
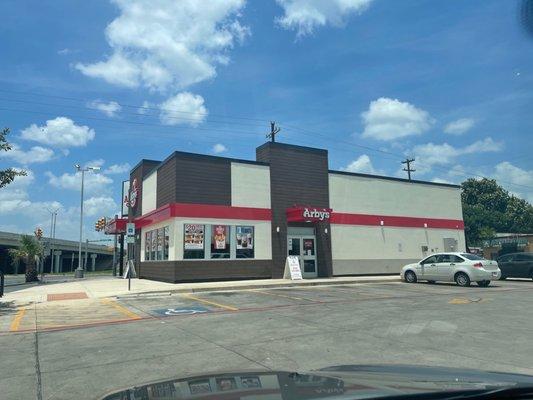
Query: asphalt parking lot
83	349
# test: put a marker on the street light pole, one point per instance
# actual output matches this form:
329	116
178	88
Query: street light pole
79	270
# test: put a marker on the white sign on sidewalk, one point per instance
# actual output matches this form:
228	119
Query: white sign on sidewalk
292	268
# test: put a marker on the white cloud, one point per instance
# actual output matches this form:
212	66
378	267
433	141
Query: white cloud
64	52
94	182
183	109
145	108
60	132
98	162
460	126
168	44
118	169
363	165
110	109
508	172
36	154
14	198
430	154
219	148
389	119
306	15
99	206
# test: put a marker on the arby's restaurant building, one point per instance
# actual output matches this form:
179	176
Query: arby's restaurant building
200	217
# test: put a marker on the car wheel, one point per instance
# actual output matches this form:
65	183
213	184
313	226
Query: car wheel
431	282
410	277
483	283
462	279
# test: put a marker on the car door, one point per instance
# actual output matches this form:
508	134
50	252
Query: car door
521	266
446	266
505	264
429	268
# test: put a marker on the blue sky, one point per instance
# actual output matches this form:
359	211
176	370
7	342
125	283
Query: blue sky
110	82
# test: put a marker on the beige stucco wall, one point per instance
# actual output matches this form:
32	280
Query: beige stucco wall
149	193
362	195
250	185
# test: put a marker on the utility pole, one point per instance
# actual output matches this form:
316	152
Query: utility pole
79	271
274	130
408	161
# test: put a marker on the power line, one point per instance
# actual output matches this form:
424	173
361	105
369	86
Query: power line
137	106
302	130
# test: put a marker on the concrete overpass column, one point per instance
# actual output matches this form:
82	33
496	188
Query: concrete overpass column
57	260
93	262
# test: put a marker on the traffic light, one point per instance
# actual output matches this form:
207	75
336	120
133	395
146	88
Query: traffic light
100	224
38	233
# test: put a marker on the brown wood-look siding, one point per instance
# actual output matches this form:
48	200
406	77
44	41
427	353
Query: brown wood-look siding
298	176
166	183
198	270
191	178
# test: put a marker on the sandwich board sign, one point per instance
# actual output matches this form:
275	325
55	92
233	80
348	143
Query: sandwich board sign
292	268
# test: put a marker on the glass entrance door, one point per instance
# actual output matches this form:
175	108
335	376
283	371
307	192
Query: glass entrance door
304	247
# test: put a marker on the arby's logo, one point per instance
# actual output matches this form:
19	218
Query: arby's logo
316	214
131	201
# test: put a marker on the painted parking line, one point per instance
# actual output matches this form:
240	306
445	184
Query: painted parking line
212	303
16	321
121	309
282	295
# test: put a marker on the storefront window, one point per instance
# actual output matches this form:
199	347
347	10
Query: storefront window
220	241
193	241
153	252
165	245
147	245
160	233
244	241
156	245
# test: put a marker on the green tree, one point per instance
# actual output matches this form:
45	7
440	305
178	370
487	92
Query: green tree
488	208
30	251
7	175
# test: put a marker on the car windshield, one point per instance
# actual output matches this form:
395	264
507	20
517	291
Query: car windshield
282	199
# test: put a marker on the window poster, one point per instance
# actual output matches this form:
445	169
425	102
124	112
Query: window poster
245	237
220	237
194	237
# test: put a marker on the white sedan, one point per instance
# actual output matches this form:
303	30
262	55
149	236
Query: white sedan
461	268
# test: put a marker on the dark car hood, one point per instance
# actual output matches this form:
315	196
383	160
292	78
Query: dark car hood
340	382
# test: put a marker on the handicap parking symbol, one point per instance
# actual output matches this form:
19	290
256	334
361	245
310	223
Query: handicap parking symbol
181	311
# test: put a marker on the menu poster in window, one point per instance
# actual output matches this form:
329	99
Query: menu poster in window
220	235
245	237
194	237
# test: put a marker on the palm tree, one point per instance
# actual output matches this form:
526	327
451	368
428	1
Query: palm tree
30	251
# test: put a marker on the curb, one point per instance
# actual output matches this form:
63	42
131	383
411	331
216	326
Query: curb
289	284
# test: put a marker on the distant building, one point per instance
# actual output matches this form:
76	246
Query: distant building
504	243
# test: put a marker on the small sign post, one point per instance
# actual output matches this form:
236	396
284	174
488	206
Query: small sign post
292	268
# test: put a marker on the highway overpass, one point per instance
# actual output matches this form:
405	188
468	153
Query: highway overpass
99	256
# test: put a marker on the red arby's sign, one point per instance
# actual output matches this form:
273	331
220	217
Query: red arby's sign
131	201
308	214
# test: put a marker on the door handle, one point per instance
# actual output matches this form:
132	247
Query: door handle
452	264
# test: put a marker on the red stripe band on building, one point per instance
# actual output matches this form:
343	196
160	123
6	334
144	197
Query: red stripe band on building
395	221
203	211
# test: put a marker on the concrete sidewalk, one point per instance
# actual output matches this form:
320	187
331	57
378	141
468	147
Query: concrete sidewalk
102	287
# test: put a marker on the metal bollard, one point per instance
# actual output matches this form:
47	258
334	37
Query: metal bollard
1	284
